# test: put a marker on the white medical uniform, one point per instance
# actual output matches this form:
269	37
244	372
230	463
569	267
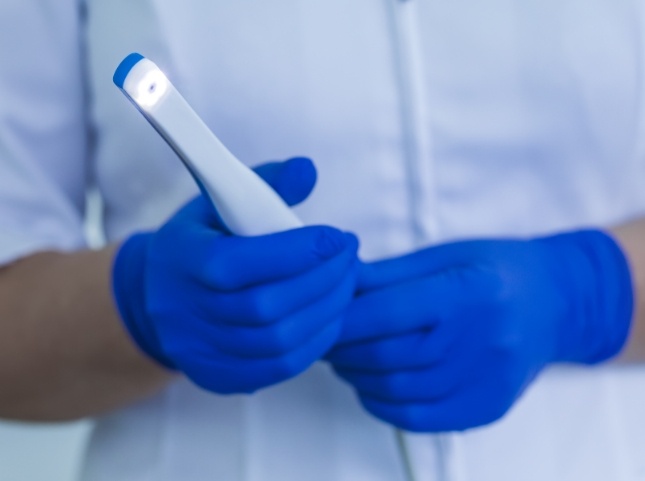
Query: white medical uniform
429	120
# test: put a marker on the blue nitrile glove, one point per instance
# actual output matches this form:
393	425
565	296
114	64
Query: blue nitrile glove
449	337
236	314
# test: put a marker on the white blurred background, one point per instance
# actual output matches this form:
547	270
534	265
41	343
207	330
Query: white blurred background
41	452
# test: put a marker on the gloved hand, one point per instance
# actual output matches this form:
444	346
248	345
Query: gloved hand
449	337
236	314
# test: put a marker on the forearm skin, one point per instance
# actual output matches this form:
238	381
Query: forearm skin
631	237
64	353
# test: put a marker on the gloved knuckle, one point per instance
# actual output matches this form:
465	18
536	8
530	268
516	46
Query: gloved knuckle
327	243
264	307
280	340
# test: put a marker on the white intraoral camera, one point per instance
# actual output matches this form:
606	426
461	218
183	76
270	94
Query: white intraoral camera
247	205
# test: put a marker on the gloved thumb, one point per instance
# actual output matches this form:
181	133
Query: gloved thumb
293	179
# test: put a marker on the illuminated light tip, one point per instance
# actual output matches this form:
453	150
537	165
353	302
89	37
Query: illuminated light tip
151	88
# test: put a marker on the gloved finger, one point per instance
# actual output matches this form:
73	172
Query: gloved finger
237	263
267	303
416	350
289	333
423	263
227	263
431	383
404	386
199	212
407	307
293	179
220	373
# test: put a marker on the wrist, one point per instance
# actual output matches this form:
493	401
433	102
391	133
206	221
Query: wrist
128	288
593	273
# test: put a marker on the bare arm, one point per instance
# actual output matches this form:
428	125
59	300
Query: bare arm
632	238
63	351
